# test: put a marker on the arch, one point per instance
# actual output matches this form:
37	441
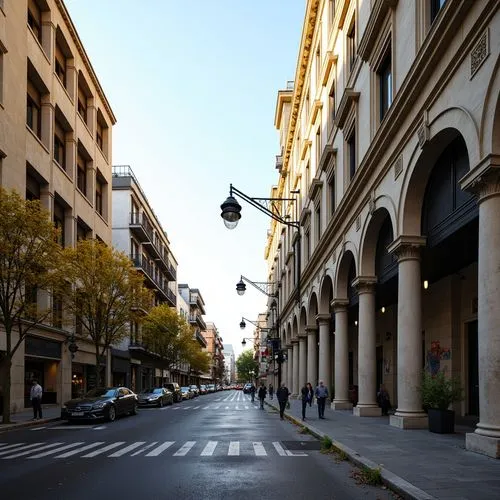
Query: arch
312	309
343	268
295	328
417	175
302	320
325	294
369	240
490	122
288	333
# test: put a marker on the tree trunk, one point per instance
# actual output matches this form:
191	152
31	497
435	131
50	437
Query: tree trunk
5	367
97	367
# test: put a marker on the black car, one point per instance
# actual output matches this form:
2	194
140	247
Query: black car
175	389
155	396
107	403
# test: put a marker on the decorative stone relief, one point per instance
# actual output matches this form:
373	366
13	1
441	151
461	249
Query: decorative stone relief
398	166
423	135
371	203
479	53
358	222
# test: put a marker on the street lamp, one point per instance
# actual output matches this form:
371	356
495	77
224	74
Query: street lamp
265	287
244	341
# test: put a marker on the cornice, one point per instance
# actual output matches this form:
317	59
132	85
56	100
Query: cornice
283	97
317	106
304	216
342	9
328	152
305	146
316	186
349	97
377	16
330	61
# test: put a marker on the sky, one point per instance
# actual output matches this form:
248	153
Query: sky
193	85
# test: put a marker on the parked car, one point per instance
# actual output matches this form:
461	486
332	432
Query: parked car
155	396
186	393
211	387
101	403
203	389
246	388
195	390
175	389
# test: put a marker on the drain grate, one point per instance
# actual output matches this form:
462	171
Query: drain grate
301	445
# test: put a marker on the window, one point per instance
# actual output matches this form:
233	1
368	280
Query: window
82	105
351	152
81	178
33	111
308	244
84	94
317	222
331	104
82	231
436	6
307	104
59	145
59	222
318	147
1	74
99	188
35	19
101	135
331	193
307	177
57	311
318	64
351	45
60	64
331	12
385	84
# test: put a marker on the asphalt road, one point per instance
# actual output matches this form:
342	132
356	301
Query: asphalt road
218	446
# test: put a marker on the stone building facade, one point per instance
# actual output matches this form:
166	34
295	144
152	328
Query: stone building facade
390	151
55	146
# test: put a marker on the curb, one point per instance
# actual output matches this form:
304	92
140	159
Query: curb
389	479
29	423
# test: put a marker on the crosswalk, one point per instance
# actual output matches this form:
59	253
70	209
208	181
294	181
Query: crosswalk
184	407
118	449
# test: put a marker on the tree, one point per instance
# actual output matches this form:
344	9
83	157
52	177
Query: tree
29	264
246	366
108	294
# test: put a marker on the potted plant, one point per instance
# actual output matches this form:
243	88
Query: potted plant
438	393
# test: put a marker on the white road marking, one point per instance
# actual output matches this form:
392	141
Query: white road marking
196	407
11	448
56	450
176	407
100	428
23	453
279	449
38	428
209	449
227	407
299	454
79	450
144	448
69	427
128	448
160	449
246	407
216	407
206	407
103	450
184	449
186	407
259	449
234	449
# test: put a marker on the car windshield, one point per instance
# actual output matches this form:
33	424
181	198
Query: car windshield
151	390
101	393
184	389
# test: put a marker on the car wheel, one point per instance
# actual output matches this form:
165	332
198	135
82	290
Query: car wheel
111	415
135	409
160	403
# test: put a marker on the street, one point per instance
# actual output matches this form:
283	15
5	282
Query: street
214	446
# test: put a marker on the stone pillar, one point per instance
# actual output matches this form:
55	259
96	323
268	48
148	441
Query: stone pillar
486	438
367	349
302	361
289	367
324	369
295	375
341	401
409	414
312	355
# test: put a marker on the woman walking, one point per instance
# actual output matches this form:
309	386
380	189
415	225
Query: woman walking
305	399
311	393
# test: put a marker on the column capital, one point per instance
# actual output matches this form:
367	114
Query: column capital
294	341
407	247
339	305
311	329
365	284
484	179
288	346
302	335
323	318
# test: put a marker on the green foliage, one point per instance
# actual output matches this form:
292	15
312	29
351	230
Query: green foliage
371	476
326	443
341	454
440	391
245	365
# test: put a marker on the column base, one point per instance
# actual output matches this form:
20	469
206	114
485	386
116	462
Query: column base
341	405
485	445
367	411
412	421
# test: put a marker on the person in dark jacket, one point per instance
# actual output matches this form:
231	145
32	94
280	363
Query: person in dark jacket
282	394
311	393
271	391
305	399
262	395
252	392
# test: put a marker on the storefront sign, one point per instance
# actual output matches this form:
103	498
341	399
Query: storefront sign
36	346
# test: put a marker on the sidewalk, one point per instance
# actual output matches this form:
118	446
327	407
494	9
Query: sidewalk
416	463
25	418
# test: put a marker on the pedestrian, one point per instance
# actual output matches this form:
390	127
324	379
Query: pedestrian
282	394
321	395
36	399
305	399
383	399
262	395
311	393
252	392
271	391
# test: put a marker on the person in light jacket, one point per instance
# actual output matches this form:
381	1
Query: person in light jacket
36	399
321	395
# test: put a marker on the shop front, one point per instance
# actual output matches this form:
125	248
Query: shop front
120	368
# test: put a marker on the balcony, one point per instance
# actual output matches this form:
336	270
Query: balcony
200	338
279	163
197	319
141	227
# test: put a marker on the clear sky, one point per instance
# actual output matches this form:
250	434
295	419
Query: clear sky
193	84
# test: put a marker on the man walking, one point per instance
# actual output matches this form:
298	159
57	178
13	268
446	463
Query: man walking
36	399
271	391
252	392
321	395
262	395
282	394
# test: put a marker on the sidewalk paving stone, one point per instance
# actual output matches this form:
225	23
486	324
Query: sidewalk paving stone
416	463
25	418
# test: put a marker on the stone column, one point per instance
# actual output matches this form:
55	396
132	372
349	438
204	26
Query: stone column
486	438
289	367
295	375
367	349
341	401
312	354
302	361
409	414
324	369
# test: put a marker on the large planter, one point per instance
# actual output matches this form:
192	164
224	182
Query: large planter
441	421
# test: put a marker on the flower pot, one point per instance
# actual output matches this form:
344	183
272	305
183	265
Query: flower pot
441	421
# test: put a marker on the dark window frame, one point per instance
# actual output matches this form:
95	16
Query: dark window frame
351	144
384	74
30	105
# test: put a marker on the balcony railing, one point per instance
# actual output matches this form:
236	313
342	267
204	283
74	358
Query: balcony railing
140	224
200	338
